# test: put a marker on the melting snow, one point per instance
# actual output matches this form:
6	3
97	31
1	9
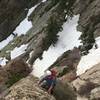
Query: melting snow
5	42
68	40
89	60
25	25
18	51
3	61
44	0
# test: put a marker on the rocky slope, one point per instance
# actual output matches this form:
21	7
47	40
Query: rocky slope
47	20
88	23
26	89
88	84
48	16
38	40
12	12
48	29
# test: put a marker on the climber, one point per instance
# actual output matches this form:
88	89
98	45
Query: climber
46	73
49	81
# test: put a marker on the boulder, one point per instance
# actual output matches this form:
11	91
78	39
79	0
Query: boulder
12	72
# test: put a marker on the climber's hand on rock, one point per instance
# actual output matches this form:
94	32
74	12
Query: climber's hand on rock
49	91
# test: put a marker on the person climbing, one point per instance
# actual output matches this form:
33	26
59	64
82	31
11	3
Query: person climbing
46	73
48	82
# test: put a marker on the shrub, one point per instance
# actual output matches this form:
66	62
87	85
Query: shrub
52	32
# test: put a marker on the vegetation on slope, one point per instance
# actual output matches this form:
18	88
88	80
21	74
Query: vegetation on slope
54	25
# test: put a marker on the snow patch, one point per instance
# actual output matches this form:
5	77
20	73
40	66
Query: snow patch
44	0
25	25
18	51
5	42
3	61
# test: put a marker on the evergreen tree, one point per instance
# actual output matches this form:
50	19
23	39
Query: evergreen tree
52	31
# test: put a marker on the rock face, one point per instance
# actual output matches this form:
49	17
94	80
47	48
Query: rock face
37	34
12	72
27	89
89	15
12	12
89	21
66	65
88	84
